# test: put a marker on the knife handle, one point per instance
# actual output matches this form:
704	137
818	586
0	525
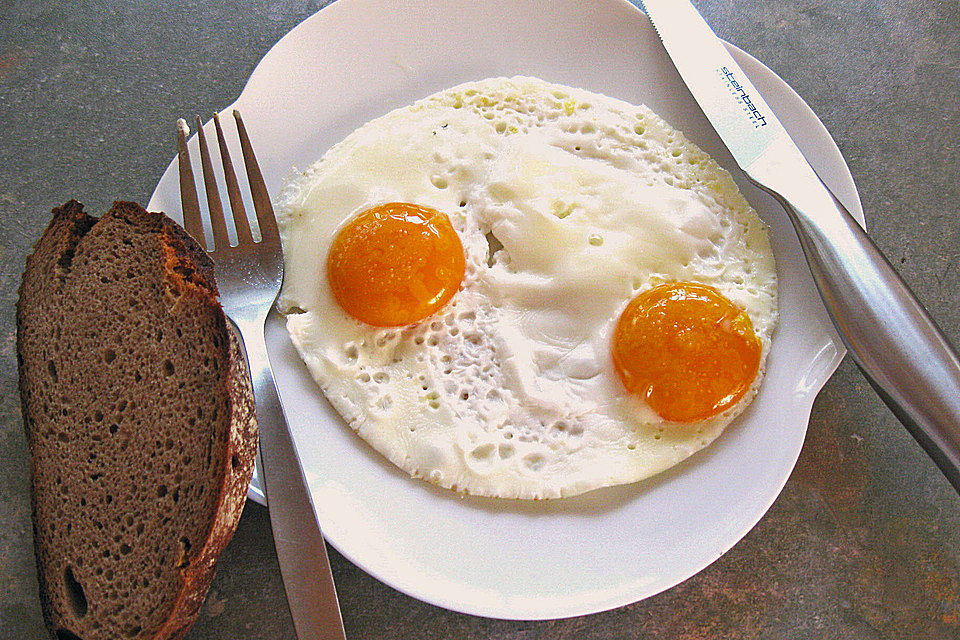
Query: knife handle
893	340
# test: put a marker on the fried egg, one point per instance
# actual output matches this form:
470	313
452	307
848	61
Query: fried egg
523	290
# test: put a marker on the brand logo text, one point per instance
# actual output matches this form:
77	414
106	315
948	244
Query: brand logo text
758	119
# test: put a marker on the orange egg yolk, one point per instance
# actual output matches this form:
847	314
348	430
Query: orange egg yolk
395	264
687	350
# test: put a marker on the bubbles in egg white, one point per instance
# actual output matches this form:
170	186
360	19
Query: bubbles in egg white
568	203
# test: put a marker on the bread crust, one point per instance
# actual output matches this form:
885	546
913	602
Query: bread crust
188	271
233	494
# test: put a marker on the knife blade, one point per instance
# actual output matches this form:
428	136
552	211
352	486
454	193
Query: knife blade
730	101
906	358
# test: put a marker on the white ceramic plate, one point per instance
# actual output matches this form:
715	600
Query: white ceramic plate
358	59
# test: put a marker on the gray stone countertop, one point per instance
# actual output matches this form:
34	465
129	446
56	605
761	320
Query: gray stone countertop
864	541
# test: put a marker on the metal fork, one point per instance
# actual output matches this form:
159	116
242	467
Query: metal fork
249	277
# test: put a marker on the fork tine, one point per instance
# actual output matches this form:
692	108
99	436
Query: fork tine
233	190
189	203
214	206
261	199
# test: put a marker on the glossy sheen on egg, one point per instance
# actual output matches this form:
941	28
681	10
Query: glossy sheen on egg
568	205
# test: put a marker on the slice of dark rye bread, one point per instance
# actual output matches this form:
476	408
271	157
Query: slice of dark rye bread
140	422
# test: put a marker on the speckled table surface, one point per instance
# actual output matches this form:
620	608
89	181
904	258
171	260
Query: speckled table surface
864	541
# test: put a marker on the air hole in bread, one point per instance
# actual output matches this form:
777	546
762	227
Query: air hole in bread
184	551
234	461
168	369
76	598
52	368
109	356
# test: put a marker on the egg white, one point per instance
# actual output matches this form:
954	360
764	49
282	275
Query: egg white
568	204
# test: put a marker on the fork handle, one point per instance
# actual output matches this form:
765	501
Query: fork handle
304	566
893	340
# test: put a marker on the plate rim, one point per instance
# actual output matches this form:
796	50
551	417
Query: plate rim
810	120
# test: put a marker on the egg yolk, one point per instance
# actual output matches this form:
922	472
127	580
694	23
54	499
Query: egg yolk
687	350
395	264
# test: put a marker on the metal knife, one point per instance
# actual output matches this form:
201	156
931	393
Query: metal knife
894	341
